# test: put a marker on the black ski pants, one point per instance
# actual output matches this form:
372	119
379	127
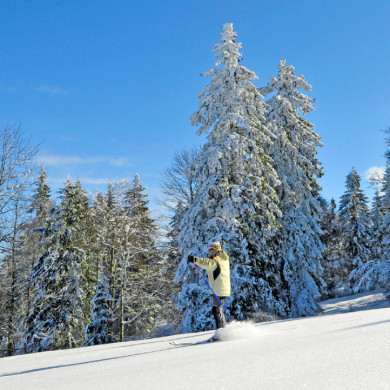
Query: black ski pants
217	311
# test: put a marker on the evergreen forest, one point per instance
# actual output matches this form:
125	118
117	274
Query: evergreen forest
80	269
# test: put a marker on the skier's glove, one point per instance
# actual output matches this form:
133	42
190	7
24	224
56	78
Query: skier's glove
190	258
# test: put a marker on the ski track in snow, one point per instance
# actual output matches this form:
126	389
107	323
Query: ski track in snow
347	350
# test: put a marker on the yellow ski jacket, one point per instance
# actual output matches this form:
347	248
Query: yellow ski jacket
218	271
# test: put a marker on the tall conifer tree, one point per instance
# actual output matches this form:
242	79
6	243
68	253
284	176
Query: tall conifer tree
298	249
377	225
147	291
385	203
376	273
97	331
356	227
235	201
55	320
332	250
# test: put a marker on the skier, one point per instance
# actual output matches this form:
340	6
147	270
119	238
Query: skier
218	271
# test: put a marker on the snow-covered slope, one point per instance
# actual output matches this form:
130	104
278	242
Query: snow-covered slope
348	350
363	301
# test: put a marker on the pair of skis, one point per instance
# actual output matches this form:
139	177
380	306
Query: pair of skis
188	343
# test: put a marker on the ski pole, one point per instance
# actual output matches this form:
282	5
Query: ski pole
216	296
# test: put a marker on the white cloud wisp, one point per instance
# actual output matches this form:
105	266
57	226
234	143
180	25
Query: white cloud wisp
374	175
57	160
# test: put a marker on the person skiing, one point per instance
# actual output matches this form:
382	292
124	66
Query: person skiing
218	271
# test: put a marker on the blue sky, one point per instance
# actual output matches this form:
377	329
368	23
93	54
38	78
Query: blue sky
106	87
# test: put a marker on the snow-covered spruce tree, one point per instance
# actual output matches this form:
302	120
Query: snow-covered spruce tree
376	273
21	249
40	209
355	228
99	230
97	331
332	250
55	320
126	246
135	204
235	202
41	203
110	229
74	206
385	226
106	214
147	288
76	215
106	238
377	225
298	246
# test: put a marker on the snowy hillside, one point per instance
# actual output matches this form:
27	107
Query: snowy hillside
347	350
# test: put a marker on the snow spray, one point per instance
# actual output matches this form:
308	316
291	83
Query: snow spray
236	330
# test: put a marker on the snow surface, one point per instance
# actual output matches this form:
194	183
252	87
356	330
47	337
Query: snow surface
347	350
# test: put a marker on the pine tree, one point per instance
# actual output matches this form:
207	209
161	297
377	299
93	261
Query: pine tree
109	229
235	202
299	248
135	204
41	209
75	212
108	233
125	243
55	314
55	320
41	203
98	222
385	203
356	227
105	240
332	252
376	273
385	226
97	331
23	240
146	288
74	206
377	225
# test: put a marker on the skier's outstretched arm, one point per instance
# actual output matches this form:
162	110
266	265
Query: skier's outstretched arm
206	263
